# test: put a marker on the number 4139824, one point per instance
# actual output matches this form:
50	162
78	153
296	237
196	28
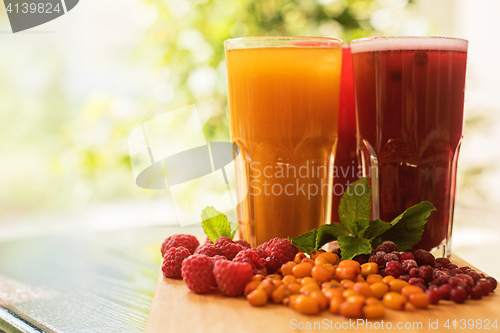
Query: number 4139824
25	8
463	324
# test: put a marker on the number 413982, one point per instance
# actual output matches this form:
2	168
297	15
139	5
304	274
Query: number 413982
463	324
25	8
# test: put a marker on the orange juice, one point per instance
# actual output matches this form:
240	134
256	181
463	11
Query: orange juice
283	107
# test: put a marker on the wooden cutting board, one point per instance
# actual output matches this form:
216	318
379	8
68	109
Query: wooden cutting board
176	309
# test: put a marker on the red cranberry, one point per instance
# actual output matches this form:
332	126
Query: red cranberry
415	280
466	279
485	286
465	268
474	275
445	291
413	272
451	266
393	268
493	282
406	256
378	260
434	295
476	292
427	259
404	277
426	273
453	281
443	261
458	295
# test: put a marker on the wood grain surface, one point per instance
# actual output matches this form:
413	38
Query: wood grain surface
176	309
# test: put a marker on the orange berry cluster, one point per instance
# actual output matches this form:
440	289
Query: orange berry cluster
312	284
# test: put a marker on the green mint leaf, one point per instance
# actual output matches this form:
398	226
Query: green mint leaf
234	227
306	242
328	233
352	246
355	203
406	229
359	225
376	228
215	224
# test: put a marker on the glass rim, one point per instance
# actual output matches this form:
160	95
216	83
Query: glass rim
282	41
407	43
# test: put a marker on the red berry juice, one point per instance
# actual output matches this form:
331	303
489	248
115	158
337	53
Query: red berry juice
409	102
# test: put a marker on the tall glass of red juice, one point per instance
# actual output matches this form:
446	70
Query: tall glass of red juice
409	105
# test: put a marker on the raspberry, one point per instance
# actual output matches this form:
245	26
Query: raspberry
252	258
393	268
232	277
172	262
380	261
208	249
198	273
188	241
391	257
281	248
272	264
260	252
244	243
218	257
263	246
208	241
228	248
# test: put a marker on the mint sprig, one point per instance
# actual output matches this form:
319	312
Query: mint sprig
215	224
357	234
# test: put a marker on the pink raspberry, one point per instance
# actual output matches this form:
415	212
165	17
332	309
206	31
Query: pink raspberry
208	249
263	246
272	264
260	252
172	262
228	247
281	248
198	273
244	243
232	277
188	241
252	258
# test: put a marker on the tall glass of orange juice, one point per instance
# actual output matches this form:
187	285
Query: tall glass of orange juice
283	110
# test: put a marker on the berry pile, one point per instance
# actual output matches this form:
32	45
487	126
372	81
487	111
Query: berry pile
276	272
227	264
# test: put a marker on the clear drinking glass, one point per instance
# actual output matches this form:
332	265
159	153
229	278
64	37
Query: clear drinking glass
409	106
283	110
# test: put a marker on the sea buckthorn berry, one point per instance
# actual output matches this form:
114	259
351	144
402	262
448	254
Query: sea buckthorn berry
308	260
279	294
273	276
289	279
306	304
302	270
363	288
267	286
307	280
349	292
372	300
356	299
394	300
321	274
331	284
294	288
351	263
347	284
286	269
335	303
420	300
331	293
320	261
373	311
298	257
397	285
277	283
315	254
258	277
309	288
257	297
372	278
351	309
320	298
360	278
331	268
290	301
299	281
379	289
251	286
332	258
369	268
410	290
346	272
387	279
